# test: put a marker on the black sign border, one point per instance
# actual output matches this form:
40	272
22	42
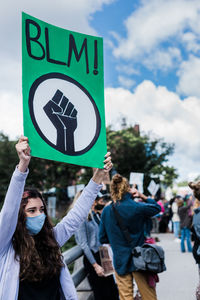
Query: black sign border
32	91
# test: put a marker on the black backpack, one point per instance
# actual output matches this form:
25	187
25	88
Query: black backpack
149	257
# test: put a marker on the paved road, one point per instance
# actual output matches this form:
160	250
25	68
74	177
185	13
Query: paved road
180	280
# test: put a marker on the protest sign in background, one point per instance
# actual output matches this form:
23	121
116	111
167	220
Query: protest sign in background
137	178
63	93
153	187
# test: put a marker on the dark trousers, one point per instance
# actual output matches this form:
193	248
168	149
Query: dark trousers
104	288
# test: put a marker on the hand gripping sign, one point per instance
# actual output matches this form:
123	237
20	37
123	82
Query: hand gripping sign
63	93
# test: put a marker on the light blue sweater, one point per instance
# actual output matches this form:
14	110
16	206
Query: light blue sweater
87	237
9	267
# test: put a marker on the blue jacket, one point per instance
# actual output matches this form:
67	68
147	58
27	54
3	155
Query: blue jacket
87	237
134	216
196	221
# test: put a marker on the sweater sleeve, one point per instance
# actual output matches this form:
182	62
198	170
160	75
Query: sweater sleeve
150	208
82	241
71	222
10	209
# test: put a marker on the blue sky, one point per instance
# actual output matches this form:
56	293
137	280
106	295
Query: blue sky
151	60
111	19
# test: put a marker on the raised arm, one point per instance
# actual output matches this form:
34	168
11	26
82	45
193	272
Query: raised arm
9	212
150	208
69	224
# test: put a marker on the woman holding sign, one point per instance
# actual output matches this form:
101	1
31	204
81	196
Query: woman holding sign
31	264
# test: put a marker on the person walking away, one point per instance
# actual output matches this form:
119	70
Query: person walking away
185	224
134	216
31	263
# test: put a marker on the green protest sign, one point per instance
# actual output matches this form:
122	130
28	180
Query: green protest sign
63	93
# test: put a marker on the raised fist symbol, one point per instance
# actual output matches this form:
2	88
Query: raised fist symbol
63	115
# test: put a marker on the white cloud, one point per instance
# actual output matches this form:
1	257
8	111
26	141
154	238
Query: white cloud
189	77
191	42
116	36
155	22
163	59
72	15
11	120
10	75
163	112
127	69
126	82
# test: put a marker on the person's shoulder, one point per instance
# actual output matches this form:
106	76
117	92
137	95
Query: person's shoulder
196	215
106	209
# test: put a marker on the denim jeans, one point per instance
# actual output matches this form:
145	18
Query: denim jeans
176	227
185	234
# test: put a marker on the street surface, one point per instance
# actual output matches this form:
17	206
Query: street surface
180	280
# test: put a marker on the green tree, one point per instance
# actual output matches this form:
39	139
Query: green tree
8	159
132	152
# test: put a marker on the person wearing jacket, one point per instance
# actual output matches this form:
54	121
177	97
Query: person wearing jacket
87	237
134	216
185	224
195	186
31	264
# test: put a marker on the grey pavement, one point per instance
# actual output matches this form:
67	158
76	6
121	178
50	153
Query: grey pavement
178	282
181	278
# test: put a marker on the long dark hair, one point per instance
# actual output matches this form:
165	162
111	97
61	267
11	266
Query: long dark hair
39	256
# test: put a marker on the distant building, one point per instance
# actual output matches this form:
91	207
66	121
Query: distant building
124	123
136	129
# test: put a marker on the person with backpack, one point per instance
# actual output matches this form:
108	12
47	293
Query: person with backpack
195	186
133	215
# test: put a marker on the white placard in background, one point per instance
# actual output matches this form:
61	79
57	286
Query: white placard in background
79	187
71	191
153	187
137	178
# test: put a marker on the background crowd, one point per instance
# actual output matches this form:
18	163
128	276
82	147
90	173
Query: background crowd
30	256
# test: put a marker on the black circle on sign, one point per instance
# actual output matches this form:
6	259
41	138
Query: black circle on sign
32	91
